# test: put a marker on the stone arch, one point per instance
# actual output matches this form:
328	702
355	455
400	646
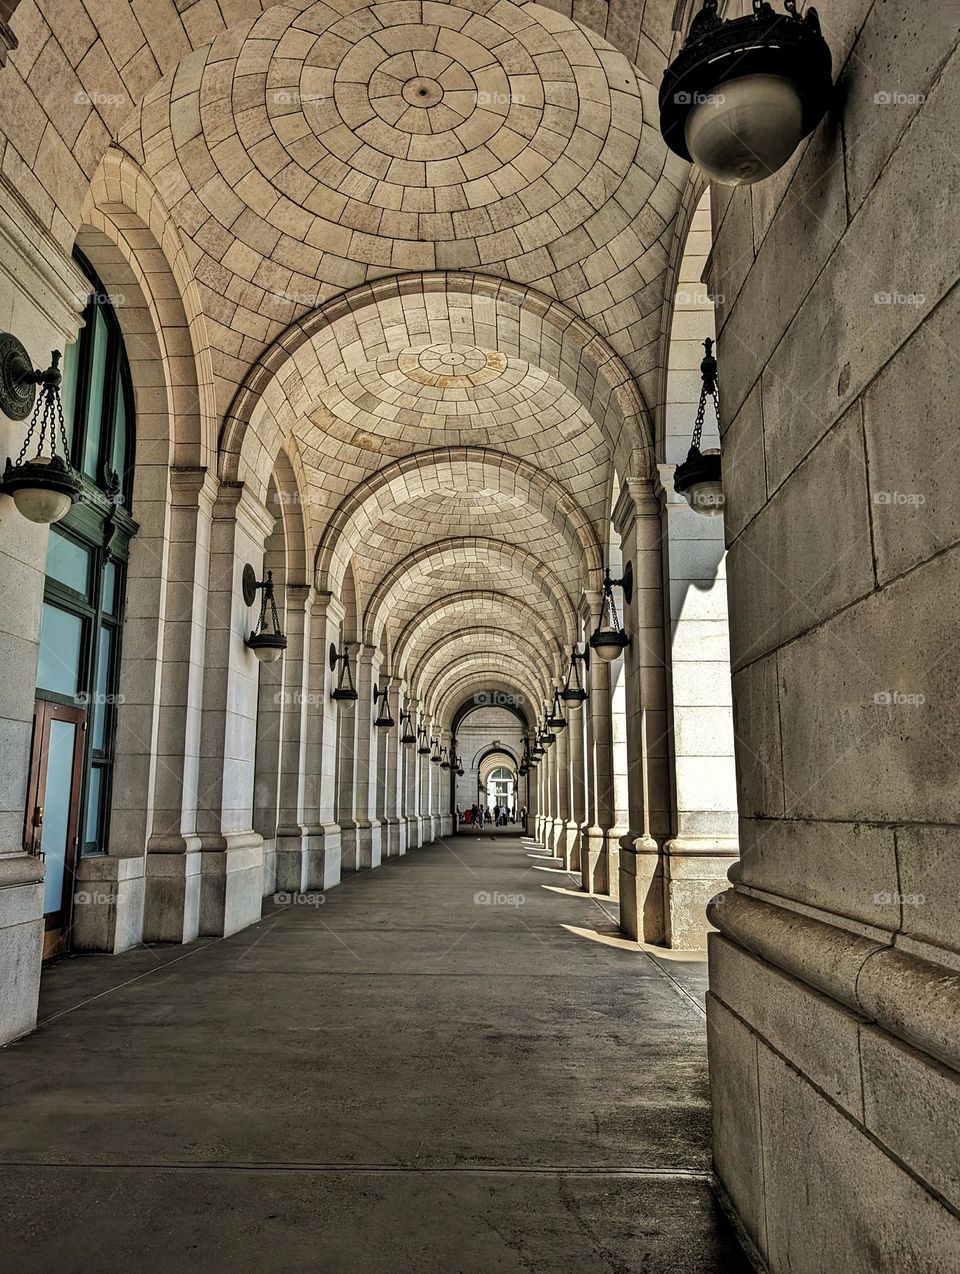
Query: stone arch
522	481
452	551
418	674
513	319
458	606
291	507
134	243
480	672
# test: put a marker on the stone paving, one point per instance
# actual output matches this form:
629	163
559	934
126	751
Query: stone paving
453	1063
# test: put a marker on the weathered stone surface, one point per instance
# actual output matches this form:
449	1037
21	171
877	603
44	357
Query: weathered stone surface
843	1203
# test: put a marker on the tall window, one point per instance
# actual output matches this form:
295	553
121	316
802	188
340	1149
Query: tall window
79	662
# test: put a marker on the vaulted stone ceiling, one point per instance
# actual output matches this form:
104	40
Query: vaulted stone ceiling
458	435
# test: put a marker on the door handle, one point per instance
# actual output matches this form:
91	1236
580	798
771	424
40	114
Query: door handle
35	847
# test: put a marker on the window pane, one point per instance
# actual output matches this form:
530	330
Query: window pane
68	562
56	812
100	708
94	418
91	831
111	579
68	388
61	647
118	459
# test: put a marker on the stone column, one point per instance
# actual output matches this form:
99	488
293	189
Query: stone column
594	866
295	697
280	696
388	802
411	782
231	863
369	847
705	842
172	871
346	782
308	837
562	821
426	795
643	900
576	724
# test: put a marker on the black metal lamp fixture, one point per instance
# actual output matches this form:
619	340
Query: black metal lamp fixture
574	692
536	749
444	759
43	487
742	93
608	641
555	720
699	479
384	718
344	689
423	747
436	756
406	728
456	760
267	645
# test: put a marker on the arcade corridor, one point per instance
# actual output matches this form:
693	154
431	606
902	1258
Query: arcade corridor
460	1035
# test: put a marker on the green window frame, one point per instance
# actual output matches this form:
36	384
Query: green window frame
89	550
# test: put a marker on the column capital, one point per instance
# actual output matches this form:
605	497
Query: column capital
325	606
637	499
192	485
237	501
591	602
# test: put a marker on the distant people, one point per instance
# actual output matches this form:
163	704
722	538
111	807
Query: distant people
479	818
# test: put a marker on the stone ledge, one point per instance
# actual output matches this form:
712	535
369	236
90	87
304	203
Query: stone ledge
908	997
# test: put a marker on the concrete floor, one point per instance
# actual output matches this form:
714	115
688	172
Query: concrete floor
450	1064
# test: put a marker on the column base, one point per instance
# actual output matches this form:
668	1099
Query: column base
231	885
694	871
594	865
570	850
108	904
308	859
390	838
269	885
369	852
641	889
413	831
171	907
21	944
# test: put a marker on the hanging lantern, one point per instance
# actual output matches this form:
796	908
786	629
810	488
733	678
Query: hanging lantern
556	720
384	720
43	486
445	760
609	641
574	693
458	763
742	94
699	479
436	756
345	689
407	735
423	748
267	644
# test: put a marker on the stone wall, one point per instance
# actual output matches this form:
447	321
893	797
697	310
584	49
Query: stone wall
834	1026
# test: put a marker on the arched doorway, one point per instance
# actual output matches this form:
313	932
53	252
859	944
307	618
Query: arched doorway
78	667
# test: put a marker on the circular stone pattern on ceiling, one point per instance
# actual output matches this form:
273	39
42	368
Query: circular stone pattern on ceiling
409	122
452	367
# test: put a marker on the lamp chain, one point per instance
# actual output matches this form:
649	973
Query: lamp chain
48	412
